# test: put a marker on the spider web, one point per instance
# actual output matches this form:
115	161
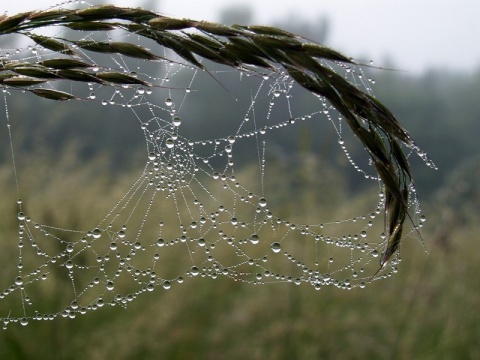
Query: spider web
193	212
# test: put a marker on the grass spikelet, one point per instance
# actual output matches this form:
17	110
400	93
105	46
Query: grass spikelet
217	29
101	12
65	64
91	26
77	75
137	15
49	15
52	44
400	158
176	46
164	23
268	30
100	47
324	52
279	42
53	94
133	50
121	78
35	71
22	81
204	51
9	24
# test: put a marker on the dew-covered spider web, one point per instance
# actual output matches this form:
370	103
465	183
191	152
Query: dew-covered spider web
203	206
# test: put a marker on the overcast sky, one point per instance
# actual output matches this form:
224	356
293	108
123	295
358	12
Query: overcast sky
416	34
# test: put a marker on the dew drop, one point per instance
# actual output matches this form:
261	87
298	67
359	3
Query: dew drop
262	202
177	121
110	285
168	102
170	143
276	247
24	322
96	233
254	239
166	285
18	280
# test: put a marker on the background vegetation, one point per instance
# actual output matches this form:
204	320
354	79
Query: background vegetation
426	311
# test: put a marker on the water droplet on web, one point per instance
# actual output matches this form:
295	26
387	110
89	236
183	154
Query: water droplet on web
24	321
177	121
96	233
276	247
19	280
21	216
375	253
168	102
110	285
170	143
254	239
166	285
262	202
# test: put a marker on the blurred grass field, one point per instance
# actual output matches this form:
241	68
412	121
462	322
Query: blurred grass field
428	310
